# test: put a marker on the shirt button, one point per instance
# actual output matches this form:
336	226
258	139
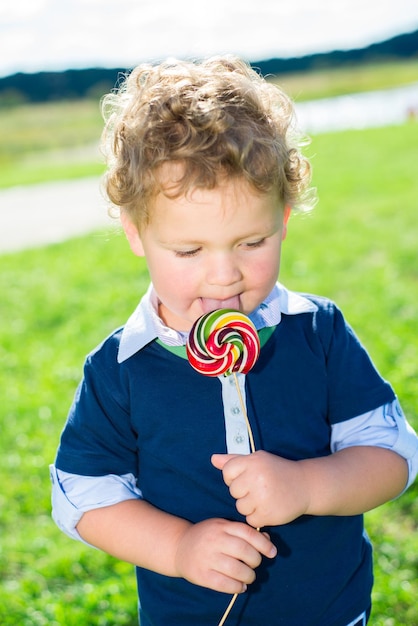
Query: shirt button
239	438
235	410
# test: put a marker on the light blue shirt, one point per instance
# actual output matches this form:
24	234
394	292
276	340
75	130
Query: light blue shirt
385	427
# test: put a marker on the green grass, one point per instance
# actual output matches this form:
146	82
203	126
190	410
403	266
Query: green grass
358	247
51	141
53	311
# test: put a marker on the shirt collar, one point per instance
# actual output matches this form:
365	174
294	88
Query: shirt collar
145	325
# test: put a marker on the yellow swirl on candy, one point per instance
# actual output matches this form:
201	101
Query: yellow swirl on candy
222	342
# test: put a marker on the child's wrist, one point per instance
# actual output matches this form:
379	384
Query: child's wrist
180	547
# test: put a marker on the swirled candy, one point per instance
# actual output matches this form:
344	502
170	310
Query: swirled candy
222	342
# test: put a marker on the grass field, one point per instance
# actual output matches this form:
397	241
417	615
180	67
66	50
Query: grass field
357	247
50	141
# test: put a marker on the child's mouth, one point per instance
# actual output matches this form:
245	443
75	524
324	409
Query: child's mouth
211	304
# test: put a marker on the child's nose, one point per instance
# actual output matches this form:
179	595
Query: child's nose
223	270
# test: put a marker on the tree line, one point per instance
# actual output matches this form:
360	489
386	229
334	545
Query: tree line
92	83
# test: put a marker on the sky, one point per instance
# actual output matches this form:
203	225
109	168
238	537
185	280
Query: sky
48	35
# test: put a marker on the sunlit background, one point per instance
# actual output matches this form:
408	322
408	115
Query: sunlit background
40	35
67	277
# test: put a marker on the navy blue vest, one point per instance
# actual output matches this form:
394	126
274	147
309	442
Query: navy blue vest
154	416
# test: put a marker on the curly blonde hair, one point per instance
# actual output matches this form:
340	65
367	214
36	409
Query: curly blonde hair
218	118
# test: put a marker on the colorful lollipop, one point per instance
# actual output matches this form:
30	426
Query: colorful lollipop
223	342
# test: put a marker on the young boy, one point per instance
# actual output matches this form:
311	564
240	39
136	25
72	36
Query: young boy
153	465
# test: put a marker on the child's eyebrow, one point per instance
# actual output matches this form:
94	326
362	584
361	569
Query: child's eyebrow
182	242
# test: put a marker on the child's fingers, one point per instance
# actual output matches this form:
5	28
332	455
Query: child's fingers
260	542
239	558
218	581
221	554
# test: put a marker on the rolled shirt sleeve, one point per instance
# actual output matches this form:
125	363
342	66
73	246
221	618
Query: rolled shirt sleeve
73	495
385	427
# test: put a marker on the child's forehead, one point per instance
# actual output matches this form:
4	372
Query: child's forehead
229	198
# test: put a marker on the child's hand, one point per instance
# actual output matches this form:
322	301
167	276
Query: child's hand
269	490
222	555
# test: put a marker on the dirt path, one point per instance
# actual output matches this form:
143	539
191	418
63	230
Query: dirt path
36	215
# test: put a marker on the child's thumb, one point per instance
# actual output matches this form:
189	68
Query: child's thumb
220	460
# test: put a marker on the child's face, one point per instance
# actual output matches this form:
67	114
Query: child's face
211	249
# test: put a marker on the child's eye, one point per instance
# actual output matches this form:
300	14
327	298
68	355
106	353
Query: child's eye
184	254
255	244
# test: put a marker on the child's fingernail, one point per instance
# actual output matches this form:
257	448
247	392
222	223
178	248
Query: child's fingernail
273	552
244	588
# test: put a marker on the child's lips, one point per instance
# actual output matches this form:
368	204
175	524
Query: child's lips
211	304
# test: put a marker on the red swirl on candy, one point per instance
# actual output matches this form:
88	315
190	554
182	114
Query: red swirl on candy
223	342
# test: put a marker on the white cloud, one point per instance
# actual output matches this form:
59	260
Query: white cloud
12	10
58	34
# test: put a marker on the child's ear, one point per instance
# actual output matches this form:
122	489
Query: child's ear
132	234
286	215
